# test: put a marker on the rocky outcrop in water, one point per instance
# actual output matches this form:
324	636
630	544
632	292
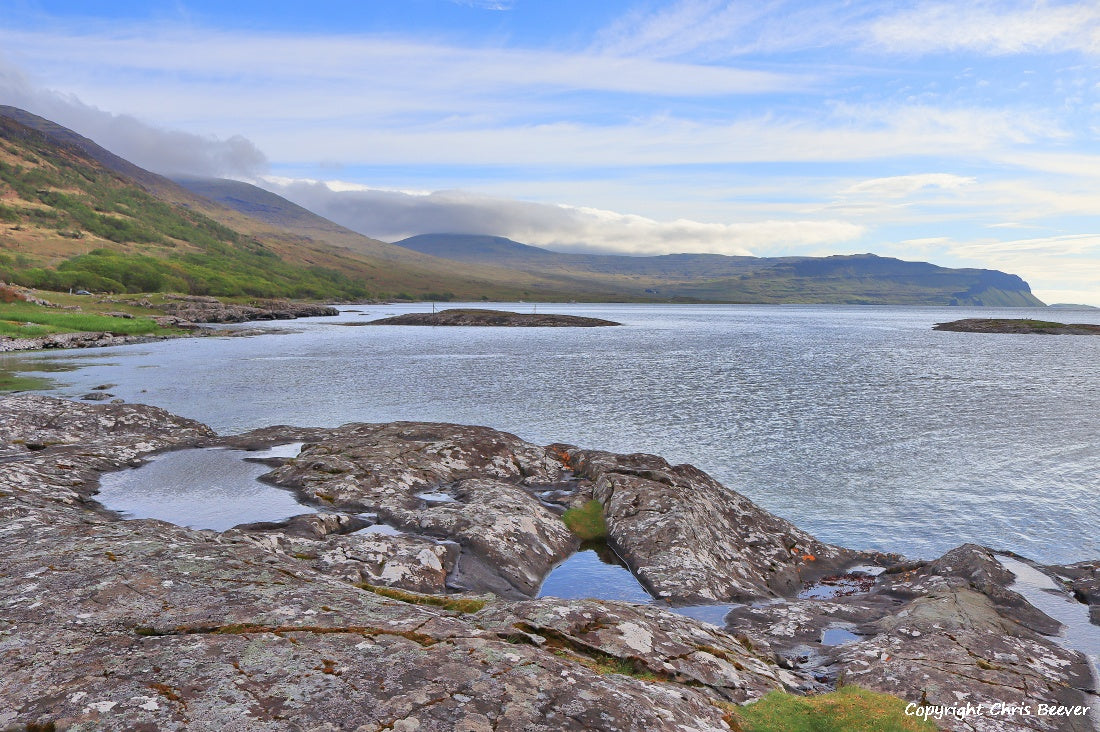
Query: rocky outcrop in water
200	309
497	318
1017	325
309	623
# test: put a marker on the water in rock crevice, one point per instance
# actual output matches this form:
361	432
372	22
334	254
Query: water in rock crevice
203	488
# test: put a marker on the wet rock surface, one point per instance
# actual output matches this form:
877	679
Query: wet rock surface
140	624
496	318
943	633
1084	580
73	340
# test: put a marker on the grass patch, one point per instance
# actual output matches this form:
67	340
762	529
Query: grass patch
462	605
848	709
11	382
587	521
14	319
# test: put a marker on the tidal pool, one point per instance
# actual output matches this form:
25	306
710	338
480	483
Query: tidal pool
1078	632
204	488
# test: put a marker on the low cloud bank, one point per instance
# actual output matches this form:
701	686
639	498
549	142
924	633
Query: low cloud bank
393	215
151	147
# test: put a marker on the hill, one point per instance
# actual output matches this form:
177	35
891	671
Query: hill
73	215
843	279
76	216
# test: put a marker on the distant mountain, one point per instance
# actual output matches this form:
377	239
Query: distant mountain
74	215
848	279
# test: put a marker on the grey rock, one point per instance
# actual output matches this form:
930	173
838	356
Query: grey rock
693	541
111	624
197	309
1084	580
482	480
140	624
943	633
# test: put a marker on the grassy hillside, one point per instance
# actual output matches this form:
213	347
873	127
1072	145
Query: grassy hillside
73	215
862	279
66	222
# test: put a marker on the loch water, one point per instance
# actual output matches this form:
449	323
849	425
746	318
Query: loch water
861	425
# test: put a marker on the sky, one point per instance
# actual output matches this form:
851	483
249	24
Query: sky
965	134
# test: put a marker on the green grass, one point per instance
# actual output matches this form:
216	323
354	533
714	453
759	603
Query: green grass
180	250
11	382
848	709
587	522
14	318
460	604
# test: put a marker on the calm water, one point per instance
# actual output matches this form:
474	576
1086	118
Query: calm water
860	424
204	489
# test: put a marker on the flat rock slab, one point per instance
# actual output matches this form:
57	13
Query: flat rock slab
111	624
141	624
495	318
1015	325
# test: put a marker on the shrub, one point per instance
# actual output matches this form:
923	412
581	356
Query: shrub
587	521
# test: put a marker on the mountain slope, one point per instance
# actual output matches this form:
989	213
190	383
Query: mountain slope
73	215
851	279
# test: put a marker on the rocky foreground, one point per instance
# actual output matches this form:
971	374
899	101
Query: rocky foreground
493	318
307	624
1017	325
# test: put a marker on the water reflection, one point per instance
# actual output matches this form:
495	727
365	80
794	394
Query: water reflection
207	488
594	572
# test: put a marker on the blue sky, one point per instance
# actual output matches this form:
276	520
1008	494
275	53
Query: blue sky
967	134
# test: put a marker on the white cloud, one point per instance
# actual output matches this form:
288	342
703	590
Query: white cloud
901	186
149	146
996	28
727	28
1058	268
393	215
367	65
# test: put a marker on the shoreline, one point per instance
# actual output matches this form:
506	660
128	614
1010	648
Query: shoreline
273	598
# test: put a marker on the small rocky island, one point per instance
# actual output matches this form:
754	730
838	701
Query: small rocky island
318	623
494	318
1017	325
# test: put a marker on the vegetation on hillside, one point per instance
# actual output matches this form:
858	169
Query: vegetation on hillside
25	320
53	203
